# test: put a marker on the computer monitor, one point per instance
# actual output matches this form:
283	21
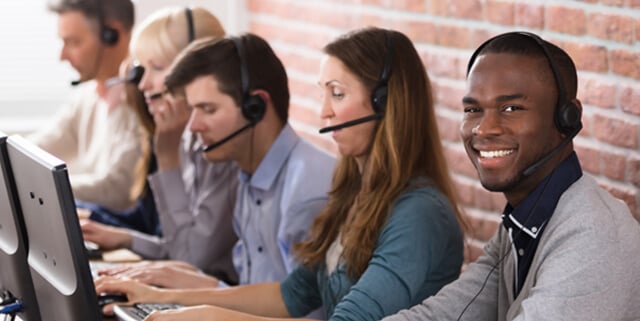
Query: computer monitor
15	278
57	259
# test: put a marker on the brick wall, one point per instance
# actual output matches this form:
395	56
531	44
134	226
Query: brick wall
603	37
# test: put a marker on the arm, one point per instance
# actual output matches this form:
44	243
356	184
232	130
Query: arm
59	136
419	250
196	224
260	299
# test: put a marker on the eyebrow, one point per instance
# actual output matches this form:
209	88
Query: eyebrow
499	99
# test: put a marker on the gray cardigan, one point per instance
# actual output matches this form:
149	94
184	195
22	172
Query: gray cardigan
586	267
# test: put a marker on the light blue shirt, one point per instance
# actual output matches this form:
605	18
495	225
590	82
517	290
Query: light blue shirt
276	206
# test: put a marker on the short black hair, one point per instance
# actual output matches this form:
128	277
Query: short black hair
526	44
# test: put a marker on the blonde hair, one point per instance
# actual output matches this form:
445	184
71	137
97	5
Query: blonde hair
165	33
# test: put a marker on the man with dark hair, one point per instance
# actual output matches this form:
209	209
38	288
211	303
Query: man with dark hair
566	250
96	134
239	95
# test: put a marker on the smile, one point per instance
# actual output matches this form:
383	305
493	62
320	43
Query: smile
496	153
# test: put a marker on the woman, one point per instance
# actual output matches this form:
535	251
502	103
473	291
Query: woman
194	197
391	225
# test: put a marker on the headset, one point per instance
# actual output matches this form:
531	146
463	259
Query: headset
108	35
190	27
378	95
566	119
566	115
253	107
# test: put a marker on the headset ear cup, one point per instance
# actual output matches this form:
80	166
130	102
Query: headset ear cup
568	118
253	108
379	98
109	36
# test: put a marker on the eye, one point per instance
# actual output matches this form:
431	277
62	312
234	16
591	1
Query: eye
471	109
337	94
511	108
157	67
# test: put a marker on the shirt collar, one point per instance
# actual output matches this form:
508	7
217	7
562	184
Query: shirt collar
536	209
268	169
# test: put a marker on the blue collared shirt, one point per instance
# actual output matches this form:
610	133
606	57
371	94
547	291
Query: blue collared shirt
526	222
276	205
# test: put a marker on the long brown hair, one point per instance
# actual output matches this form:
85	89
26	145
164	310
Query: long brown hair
406	145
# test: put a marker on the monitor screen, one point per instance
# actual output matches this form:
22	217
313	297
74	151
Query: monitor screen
15	278
57	258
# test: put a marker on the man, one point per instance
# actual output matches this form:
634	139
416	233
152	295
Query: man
238	90
567	250
96	134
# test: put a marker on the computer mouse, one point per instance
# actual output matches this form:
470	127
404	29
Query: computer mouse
108	298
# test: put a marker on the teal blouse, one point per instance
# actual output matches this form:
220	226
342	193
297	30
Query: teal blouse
420	249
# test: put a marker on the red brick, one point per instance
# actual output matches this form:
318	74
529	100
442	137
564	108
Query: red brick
630	98
481	226
459	162
616	3
439	8
467	9
448	128
617	132
633	4
477	38
529	15
489	201
306	115
464	192
445	65
613	27
597	91
588	57
448	95
628	195
419	31
638	26
615	166
626	63
407	5
634	170
566	20
453	36
500	12
589	159
472	251
300	63
306	38
306	89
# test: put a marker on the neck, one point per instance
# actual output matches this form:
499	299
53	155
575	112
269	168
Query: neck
258	143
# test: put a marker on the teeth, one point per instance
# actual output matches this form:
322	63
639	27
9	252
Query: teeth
495	153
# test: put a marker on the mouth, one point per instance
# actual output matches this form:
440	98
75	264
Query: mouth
495	153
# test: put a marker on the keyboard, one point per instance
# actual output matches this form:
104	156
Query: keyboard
139	311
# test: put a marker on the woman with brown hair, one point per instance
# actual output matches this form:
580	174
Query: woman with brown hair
390	235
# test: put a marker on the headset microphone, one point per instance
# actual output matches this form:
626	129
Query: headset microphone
76	82
350	123
228	138
534	167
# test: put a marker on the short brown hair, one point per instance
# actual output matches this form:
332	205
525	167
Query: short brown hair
219	58
118	10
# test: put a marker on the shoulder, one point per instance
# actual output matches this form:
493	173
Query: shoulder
423	209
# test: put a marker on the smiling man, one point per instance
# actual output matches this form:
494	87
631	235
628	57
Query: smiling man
566	250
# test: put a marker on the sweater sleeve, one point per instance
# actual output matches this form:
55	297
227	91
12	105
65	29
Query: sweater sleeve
300	292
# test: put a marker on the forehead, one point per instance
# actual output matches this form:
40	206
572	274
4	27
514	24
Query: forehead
331	68
505	71
73	20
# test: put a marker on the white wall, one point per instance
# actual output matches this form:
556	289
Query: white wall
33	82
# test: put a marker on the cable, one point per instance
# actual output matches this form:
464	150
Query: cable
12	308
512	240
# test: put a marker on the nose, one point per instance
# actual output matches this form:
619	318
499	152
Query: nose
143	85
326	111
488	124
195	123
63	53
